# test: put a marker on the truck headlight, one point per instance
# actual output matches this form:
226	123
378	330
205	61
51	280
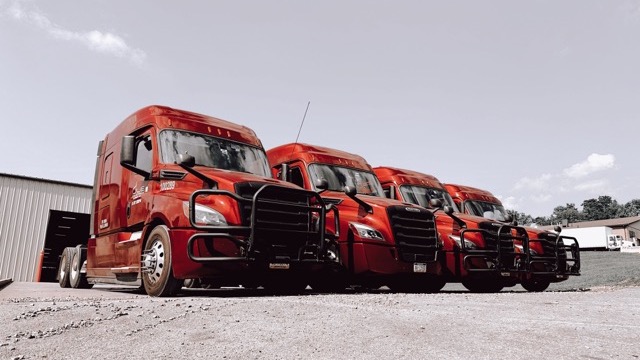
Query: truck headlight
467	244
531	251
366	232
205	215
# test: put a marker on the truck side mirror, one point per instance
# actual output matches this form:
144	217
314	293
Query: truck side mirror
128	157
447	210
557	228
322	184
350	191
127	151
435	203
186	160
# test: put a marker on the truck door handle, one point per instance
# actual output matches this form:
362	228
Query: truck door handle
128	210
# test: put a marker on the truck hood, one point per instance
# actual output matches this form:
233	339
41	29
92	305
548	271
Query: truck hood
346	203
446	224
225	179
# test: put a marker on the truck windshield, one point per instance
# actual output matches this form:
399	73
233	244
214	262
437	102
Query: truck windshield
422	195
338	177
486	210
213	152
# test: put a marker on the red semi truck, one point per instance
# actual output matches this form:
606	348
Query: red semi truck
380	241
483	255
179	195
553	257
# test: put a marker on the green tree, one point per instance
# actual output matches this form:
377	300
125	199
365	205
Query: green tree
520	217
604	207
632	208
542	220
569	212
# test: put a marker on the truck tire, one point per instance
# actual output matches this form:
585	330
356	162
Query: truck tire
157	273
482	285
535	284
333	280
64	267
77	279
427	285
285	285
331	283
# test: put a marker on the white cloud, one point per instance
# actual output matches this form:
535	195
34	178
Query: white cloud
539	183
595	186
573	184
101	42
593	163
509	202
540	198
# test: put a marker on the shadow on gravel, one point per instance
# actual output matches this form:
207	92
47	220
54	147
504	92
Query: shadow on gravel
599	270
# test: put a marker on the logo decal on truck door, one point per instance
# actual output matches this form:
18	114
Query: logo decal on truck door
138	191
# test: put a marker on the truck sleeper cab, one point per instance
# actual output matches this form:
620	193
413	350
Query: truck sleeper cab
552	256
480	254
381	241
180	195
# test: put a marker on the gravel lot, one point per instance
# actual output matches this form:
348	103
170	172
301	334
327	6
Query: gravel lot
593	316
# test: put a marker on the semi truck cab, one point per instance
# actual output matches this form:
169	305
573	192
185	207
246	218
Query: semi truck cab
552	256
381	241
479	253
180	195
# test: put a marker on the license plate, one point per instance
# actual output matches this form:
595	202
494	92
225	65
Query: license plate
505	274
279	266
419	267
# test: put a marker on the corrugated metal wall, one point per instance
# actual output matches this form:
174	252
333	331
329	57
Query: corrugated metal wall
24	211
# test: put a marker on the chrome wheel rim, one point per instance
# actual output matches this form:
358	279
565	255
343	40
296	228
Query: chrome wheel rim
153	261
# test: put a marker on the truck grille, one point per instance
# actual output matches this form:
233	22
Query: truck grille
491	238
414	232
548	242
283	227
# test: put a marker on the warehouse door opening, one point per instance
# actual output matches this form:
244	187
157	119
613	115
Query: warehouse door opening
63	229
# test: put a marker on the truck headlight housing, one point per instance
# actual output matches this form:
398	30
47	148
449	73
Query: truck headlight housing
205	215
521	250
366	232
467	243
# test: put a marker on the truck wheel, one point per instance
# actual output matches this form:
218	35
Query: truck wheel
434	285
157	274
329	283
417	285
288	285
64	267
334	279
77	279
535	284
482	285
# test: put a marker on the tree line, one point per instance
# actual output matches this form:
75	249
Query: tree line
604	207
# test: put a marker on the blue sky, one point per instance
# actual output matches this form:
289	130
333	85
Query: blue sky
537	102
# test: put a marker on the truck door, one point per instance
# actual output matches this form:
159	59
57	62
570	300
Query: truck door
138	204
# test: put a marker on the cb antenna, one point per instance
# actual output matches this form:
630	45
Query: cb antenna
301	124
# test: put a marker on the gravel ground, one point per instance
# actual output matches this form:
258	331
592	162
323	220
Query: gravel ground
592	316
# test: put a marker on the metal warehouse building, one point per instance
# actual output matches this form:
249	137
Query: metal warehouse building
36	215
